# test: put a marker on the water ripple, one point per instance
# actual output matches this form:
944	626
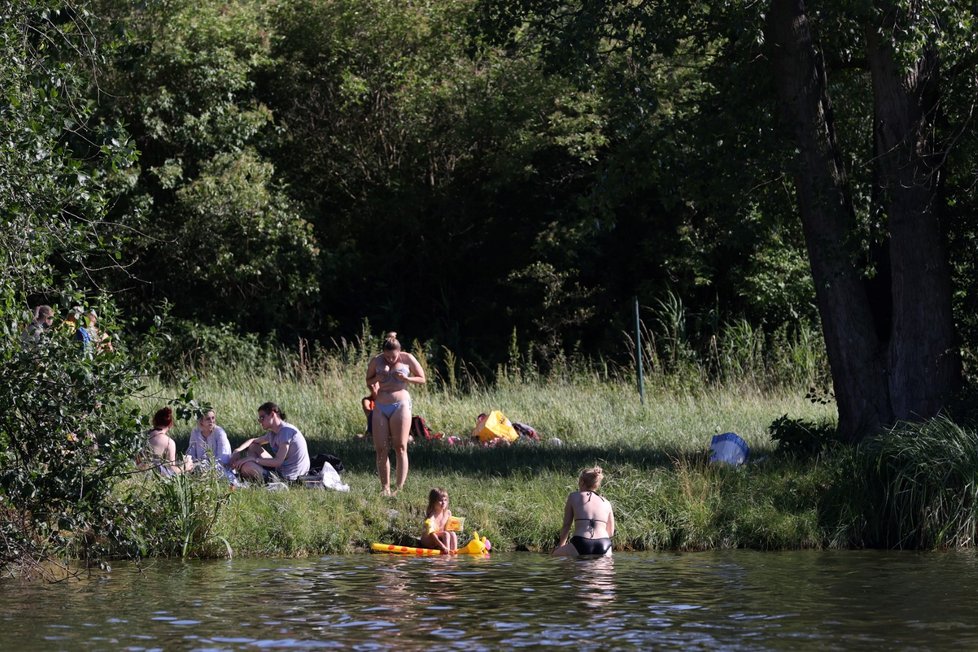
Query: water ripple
730	600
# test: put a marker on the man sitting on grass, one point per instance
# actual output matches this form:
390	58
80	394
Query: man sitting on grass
290	455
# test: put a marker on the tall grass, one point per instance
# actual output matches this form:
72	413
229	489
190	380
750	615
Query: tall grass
915	486
734	353
742	381
180	513
580	411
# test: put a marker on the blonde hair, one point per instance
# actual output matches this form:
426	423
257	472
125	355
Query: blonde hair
591	478
391	343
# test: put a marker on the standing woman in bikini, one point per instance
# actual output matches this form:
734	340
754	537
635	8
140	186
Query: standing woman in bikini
590	515
393	370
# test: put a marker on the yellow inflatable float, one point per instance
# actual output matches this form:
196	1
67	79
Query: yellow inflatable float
477	546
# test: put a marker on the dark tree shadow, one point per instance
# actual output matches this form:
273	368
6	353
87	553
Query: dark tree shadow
504	461
500	461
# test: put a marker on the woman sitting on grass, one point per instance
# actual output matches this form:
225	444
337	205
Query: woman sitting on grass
209	443
290	457
592	518
160	452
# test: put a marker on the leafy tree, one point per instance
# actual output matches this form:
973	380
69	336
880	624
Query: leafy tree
66	429
892	345
437	168
219	230
873	221
60	167
301	157
683	134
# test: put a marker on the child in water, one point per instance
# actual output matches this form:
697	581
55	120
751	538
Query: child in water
437	517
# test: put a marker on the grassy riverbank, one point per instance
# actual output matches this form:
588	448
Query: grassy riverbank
665	495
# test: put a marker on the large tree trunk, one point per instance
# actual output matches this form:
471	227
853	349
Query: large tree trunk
924	366
854	351
912	371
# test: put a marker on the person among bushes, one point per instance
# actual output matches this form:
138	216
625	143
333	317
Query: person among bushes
160	452
87	333
100	340
436	536
79	332
209	443
590	515
43	318
393	370
290	454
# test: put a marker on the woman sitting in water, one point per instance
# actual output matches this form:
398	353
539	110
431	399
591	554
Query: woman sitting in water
592	518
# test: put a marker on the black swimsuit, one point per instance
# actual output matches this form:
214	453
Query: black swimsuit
590	545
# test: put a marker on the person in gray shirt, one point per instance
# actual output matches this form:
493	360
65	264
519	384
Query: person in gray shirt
289	456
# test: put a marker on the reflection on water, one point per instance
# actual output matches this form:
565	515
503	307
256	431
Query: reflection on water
731	600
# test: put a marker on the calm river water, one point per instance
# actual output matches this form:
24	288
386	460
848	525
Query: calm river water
718	600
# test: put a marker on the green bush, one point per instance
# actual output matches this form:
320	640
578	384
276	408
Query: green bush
802	438
915	486
68	433
178	347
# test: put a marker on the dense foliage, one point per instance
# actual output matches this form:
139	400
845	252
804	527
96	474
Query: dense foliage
306	166
478	176
67	428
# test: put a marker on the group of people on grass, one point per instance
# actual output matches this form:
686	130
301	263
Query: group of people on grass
81	323
282	449
285	458
281	453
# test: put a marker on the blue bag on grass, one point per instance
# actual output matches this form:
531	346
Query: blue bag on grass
729	448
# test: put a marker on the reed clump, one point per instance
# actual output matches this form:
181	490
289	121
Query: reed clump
915	486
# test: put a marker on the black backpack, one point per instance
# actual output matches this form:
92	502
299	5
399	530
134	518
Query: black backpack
316	466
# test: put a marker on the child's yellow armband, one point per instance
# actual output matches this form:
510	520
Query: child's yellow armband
455	524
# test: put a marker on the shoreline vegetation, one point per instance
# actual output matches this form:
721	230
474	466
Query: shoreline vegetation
913	487
655	457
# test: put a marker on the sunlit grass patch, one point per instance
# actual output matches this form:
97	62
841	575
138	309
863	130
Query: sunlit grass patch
665	493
